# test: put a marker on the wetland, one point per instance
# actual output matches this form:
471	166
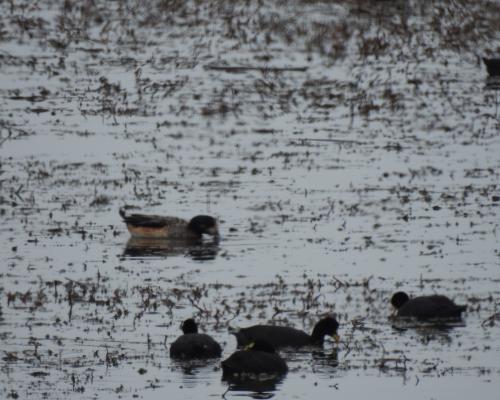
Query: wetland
349	149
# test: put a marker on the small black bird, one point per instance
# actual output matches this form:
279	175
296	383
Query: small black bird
492	66
282	336
193	345
258	358
426	307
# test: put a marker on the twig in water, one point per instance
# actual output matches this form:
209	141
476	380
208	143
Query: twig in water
491	319
236	69
338	141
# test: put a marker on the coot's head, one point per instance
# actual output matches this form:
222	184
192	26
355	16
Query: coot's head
399	299
189	326
326	326
204	224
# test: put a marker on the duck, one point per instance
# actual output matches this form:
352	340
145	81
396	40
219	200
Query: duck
282	336
426	307
492	66
192	345
163	227
259	357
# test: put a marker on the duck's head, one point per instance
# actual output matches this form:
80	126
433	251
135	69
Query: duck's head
326	326
399	299
204	224
189	326
261	345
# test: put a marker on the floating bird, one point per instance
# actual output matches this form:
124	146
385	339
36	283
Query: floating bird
282	336
193	345
258	358
492	66
426	307
156	226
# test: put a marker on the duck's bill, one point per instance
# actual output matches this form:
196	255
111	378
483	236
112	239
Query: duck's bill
336	338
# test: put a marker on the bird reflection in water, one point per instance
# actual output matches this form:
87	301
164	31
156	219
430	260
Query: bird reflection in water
194	373
150	247
438	330
322	359
194	367
493	83
262	388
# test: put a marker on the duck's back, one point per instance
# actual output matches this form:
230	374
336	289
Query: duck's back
277	336
427	307
254	362
195	345
142	225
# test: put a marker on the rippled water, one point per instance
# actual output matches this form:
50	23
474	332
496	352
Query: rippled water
354	155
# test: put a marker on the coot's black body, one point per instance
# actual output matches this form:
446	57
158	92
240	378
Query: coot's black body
282	336
426	307
194	345
260	358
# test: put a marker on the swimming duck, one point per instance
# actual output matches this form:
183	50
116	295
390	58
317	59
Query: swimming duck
258	358
492	66
156	226
426	307
282	336
193	345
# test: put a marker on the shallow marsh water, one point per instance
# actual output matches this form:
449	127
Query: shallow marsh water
358	155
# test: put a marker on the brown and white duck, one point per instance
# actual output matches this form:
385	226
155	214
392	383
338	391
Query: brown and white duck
164	227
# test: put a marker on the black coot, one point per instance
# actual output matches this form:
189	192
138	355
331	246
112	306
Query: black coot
258	358
426	307
193	345
282	336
